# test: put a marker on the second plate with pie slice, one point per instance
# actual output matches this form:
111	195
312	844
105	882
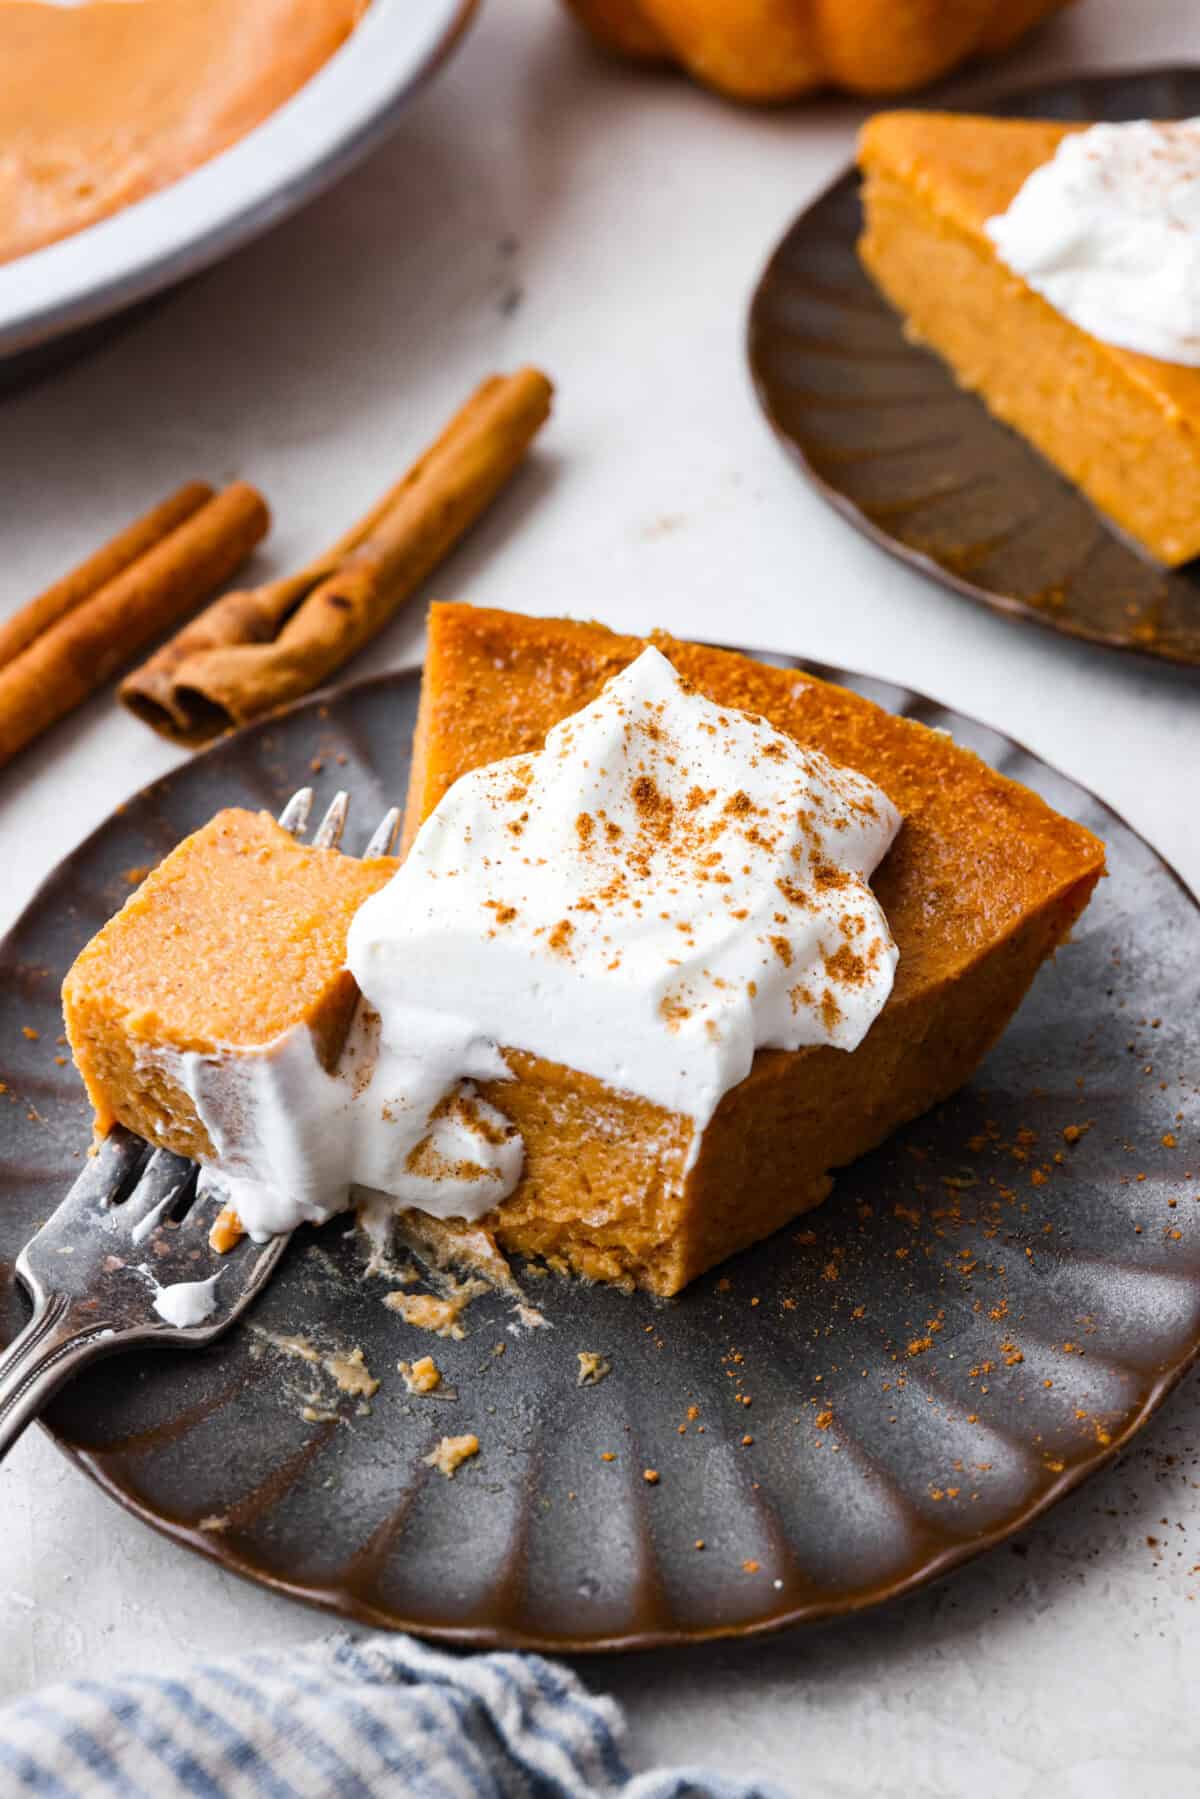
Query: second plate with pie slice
883	431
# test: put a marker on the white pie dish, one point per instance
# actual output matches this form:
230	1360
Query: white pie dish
335	119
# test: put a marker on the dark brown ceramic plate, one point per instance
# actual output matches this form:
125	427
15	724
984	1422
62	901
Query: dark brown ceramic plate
885	435
983	1312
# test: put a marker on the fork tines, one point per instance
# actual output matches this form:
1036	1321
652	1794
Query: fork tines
328	834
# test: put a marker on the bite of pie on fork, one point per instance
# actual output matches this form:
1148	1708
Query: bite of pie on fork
126	1258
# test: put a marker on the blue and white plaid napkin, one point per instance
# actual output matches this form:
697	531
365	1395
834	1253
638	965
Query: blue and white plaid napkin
337	1719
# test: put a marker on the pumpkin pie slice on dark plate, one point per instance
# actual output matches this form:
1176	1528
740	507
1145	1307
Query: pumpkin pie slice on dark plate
1123	426
982	884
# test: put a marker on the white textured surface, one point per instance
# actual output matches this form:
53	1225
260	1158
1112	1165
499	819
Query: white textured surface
314	363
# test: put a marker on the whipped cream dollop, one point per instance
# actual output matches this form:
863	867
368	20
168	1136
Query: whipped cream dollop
666	887
1108	231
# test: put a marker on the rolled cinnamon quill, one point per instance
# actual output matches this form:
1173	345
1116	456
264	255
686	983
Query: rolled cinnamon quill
81	638
252	651
17	632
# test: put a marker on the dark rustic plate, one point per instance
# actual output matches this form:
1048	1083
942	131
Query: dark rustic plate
980	1316
887	437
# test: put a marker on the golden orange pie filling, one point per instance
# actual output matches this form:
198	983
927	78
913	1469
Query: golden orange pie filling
237	937
105	102
1122	425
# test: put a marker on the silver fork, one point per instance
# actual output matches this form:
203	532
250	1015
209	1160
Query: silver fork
84	1270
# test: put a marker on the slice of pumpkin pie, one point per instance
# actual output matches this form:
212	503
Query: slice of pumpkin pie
1056	269
236	937
677	934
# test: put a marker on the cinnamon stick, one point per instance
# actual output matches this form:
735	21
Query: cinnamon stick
86	644
107	562
254	650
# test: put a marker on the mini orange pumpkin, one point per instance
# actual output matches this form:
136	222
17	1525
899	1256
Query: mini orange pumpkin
776	49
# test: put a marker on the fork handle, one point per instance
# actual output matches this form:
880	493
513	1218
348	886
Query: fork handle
37	1362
